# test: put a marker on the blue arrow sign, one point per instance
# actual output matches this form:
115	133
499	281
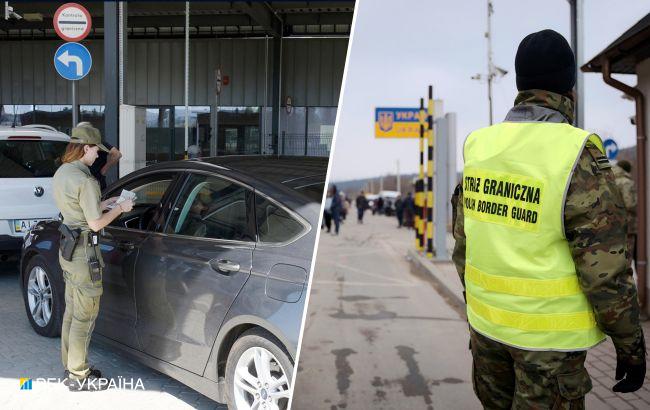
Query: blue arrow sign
72	61
611	148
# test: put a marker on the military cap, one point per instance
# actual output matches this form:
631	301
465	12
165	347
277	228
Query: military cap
86	134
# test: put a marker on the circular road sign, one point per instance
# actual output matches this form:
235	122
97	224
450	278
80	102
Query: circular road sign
611	148
72	22
72	61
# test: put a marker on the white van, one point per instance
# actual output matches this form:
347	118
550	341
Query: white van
29	156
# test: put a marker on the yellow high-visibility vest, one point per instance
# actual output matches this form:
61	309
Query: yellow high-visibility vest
521	282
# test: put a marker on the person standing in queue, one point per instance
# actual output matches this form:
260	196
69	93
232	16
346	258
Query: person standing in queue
336	209
540	233
362	203
78	198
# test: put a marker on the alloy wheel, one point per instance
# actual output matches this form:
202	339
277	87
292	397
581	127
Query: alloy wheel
39	296
260	381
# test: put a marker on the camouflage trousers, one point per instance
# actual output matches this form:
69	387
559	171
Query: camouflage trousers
505	377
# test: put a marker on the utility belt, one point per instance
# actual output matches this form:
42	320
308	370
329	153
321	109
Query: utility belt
71	237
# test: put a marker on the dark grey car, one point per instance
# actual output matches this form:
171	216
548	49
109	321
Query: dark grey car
206	278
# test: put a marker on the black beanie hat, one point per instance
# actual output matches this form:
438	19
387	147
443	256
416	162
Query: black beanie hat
545	61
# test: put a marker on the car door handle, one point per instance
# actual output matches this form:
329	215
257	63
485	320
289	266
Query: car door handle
224	266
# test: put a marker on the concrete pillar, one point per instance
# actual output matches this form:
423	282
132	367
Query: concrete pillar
276	87
111	77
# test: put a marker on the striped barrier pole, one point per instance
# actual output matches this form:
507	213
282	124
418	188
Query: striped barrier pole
430	175
419	188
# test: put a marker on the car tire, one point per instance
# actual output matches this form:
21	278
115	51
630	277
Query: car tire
42	323
274	387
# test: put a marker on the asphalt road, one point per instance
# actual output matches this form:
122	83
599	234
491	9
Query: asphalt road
376	335
23	353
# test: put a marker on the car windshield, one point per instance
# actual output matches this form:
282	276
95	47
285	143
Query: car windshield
29	158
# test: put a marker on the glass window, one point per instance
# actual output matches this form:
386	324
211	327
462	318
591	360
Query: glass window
198	132
274	224
57	116
239	130
211	207
149	190
159	134
292	130
231	140
93	114
321	128
29	158
16	115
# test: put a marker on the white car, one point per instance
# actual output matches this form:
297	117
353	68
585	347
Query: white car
29	156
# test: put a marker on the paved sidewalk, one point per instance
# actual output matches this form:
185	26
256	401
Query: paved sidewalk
601	360
23	353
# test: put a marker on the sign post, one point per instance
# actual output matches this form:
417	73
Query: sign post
72	22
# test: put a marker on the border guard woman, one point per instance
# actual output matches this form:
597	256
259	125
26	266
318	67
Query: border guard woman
78	197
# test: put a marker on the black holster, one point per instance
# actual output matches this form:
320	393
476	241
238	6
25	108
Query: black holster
93	260
69	240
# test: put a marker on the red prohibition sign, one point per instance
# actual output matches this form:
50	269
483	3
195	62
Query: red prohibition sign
69	27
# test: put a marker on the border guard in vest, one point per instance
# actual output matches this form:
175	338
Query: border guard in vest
78	197
540	231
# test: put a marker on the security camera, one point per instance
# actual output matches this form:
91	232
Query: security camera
10	13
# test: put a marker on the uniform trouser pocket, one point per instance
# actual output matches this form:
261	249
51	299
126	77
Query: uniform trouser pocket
572	389
78	324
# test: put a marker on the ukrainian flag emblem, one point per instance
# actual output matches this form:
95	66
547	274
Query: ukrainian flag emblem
25	383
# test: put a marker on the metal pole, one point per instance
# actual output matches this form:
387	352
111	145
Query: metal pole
187	73
442	188
580	89
576	44
122	17
111	76
430	187
306	130
75	107
399	183
264	132
490	74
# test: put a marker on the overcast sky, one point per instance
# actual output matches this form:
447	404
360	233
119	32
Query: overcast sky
398	48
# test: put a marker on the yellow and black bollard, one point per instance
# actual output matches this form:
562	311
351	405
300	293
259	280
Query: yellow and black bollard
430	188
419	188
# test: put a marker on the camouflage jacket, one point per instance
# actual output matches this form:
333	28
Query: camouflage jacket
595	228
626	185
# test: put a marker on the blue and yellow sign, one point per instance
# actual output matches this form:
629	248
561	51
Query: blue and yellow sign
397	123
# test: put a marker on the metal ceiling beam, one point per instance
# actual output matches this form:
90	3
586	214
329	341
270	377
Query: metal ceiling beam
317	19
264	16
148	21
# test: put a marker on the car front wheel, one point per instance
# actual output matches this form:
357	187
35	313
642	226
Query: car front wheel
43	301
258	373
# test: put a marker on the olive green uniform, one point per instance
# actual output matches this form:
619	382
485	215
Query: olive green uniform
77	195
506	377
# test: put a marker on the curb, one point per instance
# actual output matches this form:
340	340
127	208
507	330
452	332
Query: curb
427	269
